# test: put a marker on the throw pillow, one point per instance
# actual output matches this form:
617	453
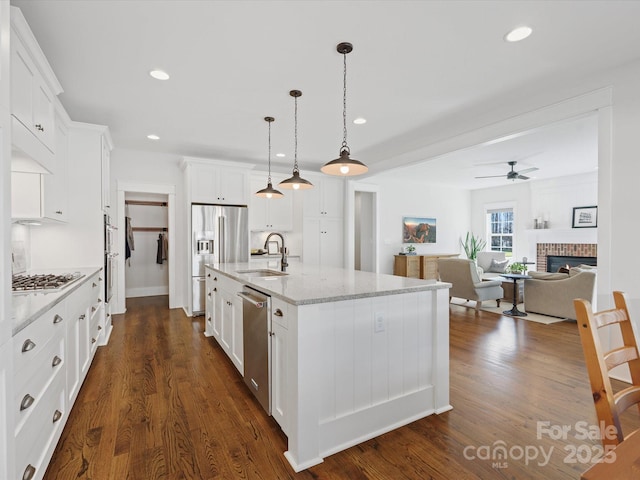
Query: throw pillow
498	266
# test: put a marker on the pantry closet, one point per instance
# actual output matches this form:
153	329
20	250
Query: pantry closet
145	235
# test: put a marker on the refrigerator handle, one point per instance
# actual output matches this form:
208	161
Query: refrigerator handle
221	243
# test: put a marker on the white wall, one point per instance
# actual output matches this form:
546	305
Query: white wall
552	199
157	169
400	198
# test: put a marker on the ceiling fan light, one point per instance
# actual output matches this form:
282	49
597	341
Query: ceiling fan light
344	166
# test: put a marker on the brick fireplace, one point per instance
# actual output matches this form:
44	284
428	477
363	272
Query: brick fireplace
563	249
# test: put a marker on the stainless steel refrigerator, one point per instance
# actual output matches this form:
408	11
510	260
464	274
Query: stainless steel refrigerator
219	233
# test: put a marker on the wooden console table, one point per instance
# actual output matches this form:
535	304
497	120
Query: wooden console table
419	266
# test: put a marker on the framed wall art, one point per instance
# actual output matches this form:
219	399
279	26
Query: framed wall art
418	230
585	217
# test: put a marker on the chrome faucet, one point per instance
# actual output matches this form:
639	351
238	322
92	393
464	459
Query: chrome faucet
283	250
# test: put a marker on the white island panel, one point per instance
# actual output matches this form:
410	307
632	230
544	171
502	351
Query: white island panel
360	368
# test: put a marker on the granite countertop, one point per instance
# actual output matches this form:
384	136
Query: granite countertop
27	307
307	284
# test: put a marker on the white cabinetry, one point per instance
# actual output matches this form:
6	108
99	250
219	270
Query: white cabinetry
33	91
51	357
223	316
270	213
217	182
43	196
281	315
105	166
323	224
40	408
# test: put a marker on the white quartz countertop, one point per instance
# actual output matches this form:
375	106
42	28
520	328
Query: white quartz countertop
27	307
307	284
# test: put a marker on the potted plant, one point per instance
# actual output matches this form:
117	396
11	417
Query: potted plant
472	245
517	267
410	249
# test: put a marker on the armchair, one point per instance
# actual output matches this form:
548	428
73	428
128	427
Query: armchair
463	276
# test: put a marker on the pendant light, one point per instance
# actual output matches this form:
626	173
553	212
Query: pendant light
295	182
269	192
344	166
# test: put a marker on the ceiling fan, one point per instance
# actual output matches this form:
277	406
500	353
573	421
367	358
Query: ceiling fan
513	175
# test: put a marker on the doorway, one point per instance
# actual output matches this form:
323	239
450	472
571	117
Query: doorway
154	194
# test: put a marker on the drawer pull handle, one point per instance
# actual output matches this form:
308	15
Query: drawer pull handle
57	319
29	472
93	309
93	340
57	415
28	345
94	285
208	275
26	402
99	279
82	317
56	361
99	327
278	313
215	278
209	294
39	127
215	289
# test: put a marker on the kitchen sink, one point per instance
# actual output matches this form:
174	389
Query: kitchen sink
261	272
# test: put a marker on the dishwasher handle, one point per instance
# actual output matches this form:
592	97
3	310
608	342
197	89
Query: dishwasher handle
252	300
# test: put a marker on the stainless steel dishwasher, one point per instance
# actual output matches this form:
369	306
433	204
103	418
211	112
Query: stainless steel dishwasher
256	318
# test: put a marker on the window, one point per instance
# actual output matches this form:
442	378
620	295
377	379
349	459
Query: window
500	230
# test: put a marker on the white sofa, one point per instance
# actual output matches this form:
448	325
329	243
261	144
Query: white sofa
484	260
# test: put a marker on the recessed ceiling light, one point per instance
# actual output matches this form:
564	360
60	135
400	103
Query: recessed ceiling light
517	34
360	121
153	137
159	74
281	155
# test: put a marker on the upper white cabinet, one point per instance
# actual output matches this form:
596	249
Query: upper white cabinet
216	182
270	213
44	196
34	88
326	199
323	229
105	168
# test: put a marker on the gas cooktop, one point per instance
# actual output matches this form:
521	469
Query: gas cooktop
45	281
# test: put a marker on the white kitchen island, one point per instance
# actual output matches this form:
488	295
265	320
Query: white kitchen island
354	355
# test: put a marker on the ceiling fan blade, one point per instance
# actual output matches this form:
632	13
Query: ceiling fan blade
491	176
523	177
527	170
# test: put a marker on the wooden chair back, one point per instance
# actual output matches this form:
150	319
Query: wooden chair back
599	362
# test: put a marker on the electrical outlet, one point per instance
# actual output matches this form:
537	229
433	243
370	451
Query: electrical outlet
378	324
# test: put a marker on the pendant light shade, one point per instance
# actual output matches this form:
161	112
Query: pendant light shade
269	192
295	182
344	166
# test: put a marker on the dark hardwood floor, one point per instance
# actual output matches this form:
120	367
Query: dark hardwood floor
161	401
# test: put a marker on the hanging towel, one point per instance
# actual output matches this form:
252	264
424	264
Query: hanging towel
159	252
128	240
165	247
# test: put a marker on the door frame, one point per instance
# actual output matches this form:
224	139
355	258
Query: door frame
350	218
170	191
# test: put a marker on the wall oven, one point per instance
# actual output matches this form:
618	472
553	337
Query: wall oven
109	258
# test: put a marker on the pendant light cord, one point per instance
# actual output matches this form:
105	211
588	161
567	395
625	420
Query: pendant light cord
269	179
295	136
344	105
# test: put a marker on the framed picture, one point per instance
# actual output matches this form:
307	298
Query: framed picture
585	217
418	230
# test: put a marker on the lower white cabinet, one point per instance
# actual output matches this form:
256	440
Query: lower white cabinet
281	314
51	357
223	316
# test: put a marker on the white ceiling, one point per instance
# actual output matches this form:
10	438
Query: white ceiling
415	64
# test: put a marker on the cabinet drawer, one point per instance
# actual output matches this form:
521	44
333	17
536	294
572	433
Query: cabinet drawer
280	312
79	301
28	343
229	285
33	382
36	440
